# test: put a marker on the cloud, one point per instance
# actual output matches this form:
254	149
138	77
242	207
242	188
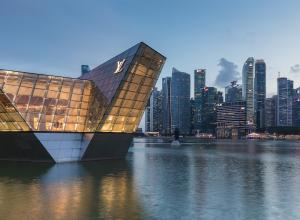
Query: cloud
295	68
227	73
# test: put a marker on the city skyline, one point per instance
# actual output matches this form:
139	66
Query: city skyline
246	108
57	37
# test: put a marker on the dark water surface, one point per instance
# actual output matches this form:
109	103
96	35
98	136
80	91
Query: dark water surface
216	180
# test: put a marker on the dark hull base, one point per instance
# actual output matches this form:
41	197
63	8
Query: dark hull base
22	146
63	147
108	146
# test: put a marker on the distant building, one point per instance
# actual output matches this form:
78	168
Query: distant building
220	98
231	119
166	106
260	93
192	116
284	102
270	112
248	91
233	92
147	117
296	108
199	84
153	112
211	97
180	101
85	69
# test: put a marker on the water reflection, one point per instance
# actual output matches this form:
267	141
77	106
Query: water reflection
213	180
68	191
219	180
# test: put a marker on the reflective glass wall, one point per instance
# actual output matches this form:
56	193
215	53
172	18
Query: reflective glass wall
10	119
110	98
51	103
129	102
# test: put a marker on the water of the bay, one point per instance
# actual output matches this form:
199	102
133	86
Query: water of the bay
211	180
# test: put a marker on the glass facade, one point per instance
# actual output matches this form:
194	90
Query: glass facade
199	85
210	99
180	101
166	105
101	100
52	103
296	108
260	93
248	91
10	119
285	89
129	102
270	112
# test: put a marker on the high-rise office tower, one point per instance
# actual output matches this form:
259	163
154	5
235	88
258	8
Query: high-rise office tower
284	101
233	92
270	112
192	116
166	105
248	91
153	112
180	101
147	117
211	97
296	108
260	93
199	84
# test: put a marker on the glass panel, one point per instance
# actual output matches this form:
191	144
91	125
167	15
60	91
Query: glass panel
76	97
25	91
39	92
11	89
52	94
14	79
42	82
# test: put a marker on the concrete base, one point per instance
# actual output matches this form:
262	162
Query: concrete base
63	147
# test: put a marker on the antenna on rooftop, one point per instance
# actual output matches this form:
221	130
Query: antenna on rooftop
279	74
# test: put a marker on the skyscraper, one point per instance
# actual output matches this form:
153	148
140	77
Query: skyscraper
296	108
147	117
233	92
199	84
284	102
211	97
166	105
270	112
247	90
180	101
192	116
259	92
154	112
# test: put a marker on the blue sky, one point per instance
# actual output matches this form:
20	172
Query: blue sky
58	36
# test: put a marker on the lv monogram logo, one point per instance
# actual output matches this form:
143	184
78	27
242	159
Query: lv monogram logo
120	65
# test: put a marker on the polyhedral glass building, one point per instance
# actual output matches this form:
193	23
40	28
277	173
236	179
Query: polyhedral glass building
58	119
